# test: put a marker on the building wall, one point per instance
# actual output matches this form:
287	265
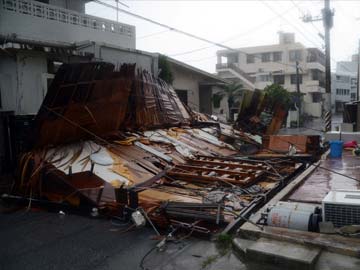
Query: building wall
36	23
76	5
223	111
118	56
8	82
22	82
189	81
265	72
343	89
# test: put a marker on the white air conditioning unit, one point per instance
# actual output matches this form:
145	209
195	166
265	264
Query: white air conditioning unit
342	207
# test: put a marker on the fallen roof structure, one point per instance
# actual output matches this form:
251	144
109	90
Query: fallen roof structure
115	142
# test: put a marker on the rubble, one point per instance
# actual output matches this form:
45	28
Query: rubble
121	141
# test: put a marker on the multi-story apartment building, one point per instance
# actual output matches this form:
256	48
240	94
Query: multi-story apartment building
257	67
344	84
343	90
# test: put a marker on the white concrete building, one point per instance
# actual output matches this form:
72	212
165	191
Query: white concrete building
344	84
195	88
37	36
264	65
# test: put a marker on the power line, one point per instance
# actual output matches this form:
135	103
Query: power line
233	37
181	31
294	26
153	34
303	13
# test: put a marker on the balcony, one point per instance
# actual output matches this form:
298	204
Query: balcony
37	22
236	69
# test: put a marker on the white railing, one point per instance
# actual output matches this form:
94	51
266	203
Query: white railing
62	15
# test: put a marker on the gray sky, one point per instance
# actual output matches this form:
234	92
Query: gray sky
235	24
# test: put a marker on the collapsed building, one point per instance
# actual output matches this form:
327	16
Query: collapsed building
119	143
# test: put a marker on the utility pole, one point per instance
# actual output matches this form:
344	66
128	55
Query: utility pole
117	10
328	24
358	75
298	99
327	18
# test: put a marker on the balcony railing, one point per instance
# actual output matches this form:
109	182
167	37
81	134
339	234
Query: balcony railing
236	69
54	13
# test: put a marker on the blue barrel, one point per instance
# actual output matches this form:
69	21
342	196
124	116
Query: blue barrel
336	148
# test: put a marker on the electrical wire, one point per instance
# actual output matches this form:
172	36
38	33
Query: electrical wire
293	25
231	38
153	34
181	31
144	257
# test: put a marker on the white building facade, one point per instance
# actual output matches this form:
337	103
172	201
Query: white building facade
38	36
344	84
264	65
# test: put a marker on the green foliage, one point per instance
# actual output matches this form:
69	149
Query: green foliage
276	94
232	91
216	99
165	70
209	260
223	243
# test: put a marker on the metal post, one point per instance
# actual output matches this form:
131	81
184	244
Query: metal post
328	23
117	10
298	99
358	75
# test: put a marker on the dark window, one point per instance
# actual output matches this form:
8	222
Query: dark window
353	96
279	79
232	58
317	97
183	95
293	79
265	57
250	58
277	56
295	55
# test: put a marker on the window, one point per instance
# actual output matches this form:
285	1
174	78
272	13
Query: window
183	95
277	56
343	92
279	79
293	79
316	97
232	58
250	58
353	96
265	57
295	55
264	78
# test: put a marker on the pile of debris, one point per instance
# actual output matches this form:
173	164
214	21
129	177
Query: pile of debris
120	143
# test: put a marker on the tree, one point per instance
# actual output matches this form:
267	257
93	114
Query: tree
232	92
278	95
165	70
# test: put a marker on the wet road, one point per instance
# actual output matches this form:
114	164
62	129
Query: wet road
322	181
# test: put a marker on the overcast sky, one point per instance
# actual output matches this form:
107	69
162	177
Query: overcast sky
235	24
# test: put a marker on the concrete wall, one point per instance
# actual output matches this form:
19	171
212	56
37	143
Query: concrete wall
223	111
61	27
118	56
314	109
187	80
22	82
76	5
8	82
